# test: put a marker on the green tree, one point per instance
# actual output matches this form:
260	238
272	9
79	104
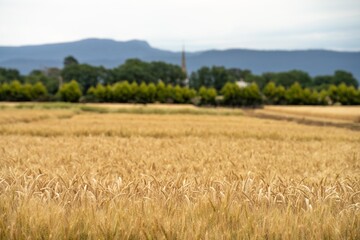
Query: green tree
201	77
237	74
100	93
261	81
70	60
208	95
346	78
188	94
38	91
346	95
281	92
86	75
357	97
353	95
133	70
123	92
220	76
250	95
169	93
294	95
26	92
333	94
215	77
231	93
70	92
134	90
91	95
324	98
274	94
48	78
270	92
142	95
178	94
8	75
168	73
323	82
139	71
151	92
5	92
287	79
161	93
16	92
310	97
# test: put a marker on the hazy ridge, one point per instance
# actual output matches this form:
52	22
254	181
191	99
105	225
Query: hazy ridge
110	53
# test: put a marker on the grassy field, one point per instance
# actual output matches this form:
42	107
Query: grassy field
329	113
164	172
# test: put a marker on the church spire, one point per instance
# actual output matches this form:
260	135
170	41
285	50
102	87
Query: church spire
183	61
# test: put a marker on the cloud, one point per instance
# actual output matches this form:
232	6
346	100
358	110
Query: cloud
201	24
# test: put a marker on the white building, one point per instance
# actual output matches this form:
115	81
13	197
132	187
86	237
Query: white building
241	83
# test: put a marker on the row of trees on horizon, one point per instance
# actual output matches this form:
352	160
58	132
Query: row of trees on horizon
230	95
162	82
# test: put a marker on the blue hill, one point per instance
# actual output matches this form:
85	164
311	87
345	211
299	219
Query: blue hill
110	53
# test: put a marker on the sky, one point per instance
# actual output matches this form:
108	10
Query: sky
197	24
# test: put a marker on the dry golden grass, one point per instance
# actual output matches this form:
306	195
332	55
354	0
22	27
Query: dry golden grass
140	176
149	105
124	108
12	116
334	113
112	105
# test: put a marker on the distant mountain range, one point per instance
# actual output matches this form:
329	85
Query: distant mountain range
110	53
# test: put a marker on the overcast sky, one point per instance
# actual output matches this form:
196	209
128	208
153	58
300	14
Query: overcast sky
199	24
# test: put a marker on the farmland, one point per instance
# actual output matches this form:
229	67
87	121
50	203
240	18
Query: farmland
163	172
329	113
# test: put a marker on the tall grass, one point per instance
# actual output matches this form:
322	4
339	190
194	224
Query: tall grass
126	108
175	176
334	113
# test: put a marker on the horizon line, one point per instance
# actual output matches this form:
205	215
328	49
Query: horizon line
181	45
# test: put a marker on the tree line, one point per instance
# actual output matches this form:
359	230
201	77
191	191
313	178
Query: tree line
166	83
217	77
230	95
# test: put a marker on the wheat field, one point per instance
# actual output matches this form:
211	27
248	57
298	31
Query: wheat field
72	174
329	113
